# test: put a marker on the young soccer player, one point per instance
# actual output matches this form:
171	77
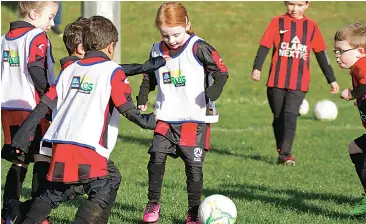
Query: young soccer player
292	36
80	133
26	73
73	42
350	52
184	92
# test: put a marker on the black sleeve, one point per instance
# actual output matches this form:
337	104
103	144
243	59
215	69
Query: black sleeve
39	78
213	65
145	121
148	84
359	91
149	66
324	64
22	138
260	57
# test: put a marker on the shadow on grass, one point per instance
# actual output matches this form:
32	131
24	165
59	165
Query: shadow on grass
296	200
266	159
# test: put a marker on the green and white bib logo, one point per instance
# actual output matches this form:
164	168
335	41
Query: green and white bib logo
13	58
177	78
84	85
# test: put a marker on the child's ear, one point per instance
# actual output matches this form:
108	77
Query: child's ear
111	47
188	26
32	14
80	49
361	50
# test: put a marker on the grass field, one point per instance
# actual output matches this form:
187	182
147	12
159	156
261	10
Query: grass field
242	163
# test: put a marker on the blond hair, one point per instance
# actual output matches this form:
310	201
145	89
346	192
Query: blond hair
354	34
24	7
172	14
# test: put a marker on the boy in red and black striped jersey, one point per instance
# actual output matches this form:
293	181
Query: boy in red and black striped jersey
292	36
350	52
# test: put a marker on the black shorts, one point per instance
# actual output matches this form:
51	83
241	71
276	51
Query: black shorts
361	142
192	155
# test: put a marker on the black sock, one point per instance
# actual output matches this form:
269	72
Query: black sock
107	211
156	174
194	185
39	180
13	185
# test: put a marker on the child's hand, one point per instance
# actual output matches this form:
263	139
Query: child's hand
142	107
346	94
167	57
334	87
256	75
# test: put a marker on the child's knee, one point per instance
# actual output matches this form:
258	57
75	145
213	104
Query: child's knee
41	158
24	165
353	148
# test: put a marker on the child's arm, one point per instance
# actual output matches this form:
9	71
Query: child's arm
36	63
264	45
23	137
318	46
360	90
121	97
149	66
148	84
212	62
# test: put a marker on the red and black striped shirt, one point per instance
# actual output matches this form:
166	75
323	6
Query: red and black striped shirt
358	73
292	39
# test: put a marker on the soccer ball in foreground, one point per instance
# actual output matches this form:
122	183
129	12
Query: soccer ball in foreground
304	108
325	110
217	209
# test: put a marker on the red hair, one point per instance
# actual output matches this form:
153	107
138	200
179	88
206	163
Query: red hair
172	14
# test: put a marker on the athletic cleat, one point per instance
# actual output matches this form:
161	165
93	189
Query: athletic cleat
360	209
192	216
152	212
288	160
47	221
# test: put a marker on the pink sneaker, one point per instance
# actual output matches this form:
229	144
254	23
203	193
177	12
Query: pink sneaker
192	216
152	212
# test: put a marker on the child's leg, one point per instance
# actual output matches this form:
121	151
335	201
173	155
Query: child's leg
92	209
193	158
114	181
292	104
276	98
40	170
41	206
358	156
13	185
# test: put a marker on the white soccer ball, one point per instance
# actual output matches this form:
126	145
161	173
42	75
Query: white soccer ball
325	110
304	108
217	209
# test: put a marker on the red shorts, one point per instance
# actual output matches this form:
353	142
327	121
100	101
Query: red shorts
11	120
76	164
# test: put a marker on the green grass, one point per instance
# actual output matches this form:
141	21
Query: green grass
242	163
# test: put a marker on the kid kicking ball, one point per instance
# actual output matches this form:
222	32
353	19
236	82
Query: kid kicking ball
304	108
325	110
217	209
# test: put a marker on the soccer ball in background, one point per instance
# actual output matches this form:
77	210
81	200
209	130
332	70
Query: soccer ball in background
304	108
217	209
325	110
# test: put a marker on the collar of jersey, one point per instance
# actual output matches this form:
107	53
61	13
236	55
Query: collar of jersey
178	52
93	57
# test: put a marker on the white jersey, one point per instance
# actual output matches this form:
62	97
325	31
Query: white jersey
17	88
181	86
84	93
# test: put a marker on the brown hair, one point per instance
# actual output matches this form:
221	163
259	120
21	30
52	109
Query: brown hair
354	34
24	7
73	34
172	14
99	34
